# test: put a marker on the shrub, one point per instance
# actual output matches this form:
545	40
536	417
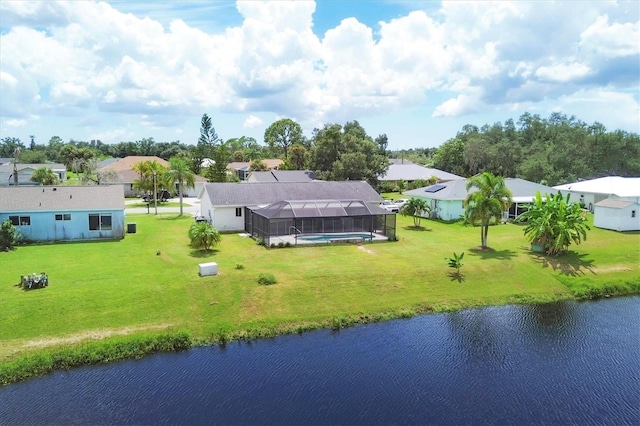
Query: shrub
266	279
281	244
273	245
287	244
9	235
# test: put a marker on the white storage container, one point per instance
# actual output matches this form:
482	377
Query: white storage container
210	268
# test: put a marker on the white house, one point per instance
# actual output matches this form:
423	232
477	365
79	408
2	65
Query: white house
617	214
591	192
25	172
223	204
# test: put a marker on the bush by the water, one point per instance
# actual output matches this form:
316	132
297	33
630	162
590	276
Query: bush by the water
92	353
266	279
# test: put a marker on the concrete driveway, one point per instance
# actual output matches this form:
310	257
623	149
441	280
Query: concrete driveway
190	206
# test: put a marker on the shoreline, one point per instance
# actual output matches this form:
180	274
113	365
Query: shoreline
138	344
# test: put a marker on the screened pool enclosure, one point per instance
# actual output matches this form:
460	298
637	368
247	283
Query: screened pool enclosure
286	221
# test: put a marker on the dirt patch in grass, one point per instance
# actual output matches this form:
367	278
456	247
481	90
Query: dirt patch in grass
366	250
90	335
612	268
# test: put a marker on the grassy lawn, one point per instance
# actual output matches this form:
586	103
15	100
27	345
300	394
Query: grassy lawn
105	289
151	205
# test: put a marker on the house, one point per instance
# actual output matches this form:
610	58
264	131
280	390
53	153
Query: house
224	204
591	192
412	172
241	169
447	198
617	214
65	213
25	172
282	176
126	176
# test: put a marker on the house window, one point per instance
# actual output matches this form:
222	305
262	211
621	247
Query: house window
633	213
20	220
238	211
66	216
99	222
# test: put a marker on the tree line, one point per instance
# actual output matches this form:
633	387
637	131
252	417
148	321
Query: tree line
554	150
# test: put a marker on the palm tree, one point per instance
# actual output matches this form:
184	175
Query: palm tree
180	172
150	172
44	176
203	235
491	200
416	207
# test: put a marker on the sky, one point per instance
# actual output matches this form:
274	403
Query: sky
417	71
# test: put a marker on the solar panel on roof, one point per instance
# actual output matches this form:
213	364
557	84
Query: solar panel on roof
435	188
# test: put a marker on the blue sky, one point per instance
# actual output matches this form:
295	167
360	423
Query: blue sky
417	71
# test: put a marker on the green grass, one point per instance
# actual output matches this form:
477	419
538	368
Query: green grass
108	290
143	204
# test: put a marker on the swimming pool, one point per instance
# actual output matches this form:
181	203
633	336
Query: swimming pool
332	237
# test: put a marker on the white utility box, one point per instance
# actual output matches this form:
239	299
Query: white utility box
210	268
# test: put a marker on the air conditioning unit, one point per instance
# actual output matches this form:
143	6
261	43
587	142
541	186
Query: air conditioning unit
210	268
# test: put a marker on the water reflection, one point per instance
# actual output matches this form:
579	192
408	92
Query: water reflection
561	363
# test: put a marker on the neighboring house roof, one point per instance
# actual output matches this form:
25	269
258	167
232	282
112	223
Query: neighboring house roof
127	163
452	190
412	172
130	176
105	163
282	176
247	194
610	185
522	190
56	198
271	163
34	166
614	204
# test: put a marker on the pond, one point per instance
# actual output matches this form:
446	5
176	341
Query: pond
559	363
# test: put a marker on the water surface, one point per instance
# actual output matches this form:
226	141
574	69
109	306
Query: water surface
559	363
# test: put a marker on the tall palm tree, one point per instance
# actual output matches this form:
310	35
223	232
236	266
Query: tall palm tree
491	200
180	172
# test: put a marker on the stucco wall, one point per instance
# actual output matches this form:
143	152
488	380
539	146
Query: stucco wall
44	226
225	219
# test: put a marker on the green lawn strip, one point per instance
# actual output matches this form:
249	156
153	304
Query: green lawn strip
151	205
147	284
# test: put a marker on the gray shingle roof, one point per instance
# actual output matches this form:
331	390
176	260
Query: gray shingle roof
282	176
55	198
456	189
414	172
247	194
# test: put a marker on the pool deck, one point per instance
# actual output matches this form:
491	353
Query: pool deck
293	240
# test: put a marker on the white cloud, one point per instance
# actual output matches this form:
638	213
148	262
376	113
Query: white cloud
488	55
16	123
615	39
252	122
562	73
460	105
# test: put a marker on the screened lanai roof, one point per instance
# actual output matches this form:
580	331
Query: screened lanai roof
319	208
